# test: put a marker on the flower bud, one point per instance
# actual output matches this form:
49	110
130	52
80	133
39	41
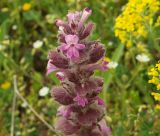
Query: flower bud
87	31
66	27
99	81
88	117
61	96
96	53
67	127
58	60
86	13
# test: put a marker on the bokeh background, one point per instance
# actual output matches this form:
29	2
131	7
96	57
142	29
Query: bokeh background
27	33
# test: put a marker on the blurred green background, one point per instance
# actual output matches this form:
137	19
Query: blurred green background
27	33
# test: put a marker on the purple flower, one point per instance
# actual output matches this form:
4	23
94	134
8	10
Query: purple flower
72	47
81	100
81	111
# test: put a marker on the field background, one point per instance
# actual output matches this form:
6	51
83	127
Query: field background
130	106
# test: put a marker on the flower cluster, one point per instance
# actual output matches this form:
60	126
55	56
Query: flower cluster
135	20
81	112
155	74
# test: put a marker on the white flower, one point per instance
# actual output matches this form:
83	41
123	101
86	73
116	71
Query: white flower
14	27
112	65
37	44
43	91
142	58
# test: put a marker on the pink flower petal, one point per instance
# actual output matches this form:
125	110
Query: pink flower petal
74	17
70	53
70	17
71	39
80	46
75	52
64	47
81	100
51	67
75	39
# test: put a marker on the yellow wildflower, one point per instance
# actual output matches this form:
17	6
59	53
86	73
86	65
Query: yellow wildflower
155	79
158	86
157	107
6	85
26	6
131	24
153	72
156	96
158	66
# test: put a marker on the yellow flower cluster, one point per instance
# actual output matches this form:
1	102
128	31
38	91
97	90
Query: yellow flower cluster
134	20
154	73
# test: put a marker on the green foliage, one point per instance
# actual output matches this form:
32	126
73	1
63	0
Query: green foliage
130	108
